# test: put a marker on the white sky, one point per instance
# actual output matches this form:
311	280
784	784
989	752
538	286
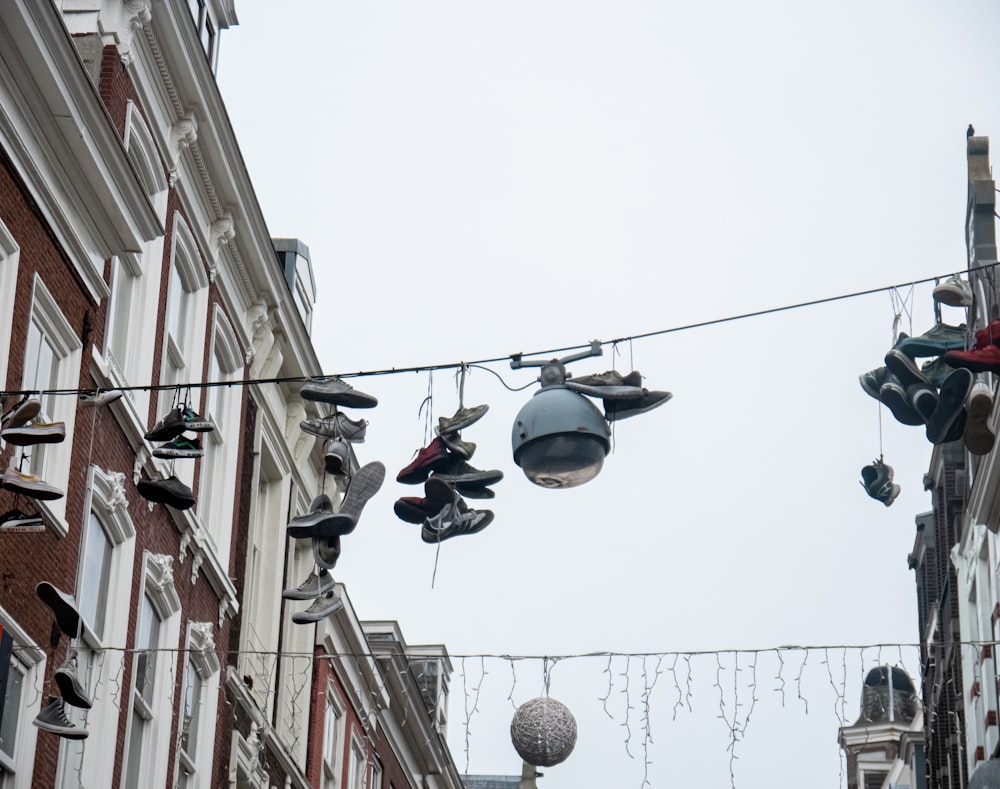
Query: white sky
477	179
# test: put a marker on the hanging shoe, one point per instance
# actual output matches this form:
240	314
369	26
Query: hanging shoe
312	587
893	394
474	491
170	491
935	371
336	392
326	551
16	521
610	378
979	360
322	607
35	433
453	521
179	420
437	495
336	425
872	382
940	338
454	442
338	459
951	406
616	410
22	413
314	522
29	485
461	419
460	472
434	456
70	688
979	437
180	447
363	485
877	482
924	400
954	291
904	368
103	397
53	719
988	335
606	392
63	607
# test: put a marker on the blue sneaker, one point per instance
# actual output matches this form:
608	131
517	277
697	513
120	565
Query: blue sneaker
937	340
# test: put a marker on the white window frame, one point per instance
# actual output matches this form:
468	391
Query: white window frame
200	658
218	467
158	586
31	659
107	501
10	254
53	460
334	729
358	761
375	774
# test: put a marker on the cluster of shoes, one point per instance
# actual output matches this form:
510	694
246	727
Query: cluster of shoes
19	427
623	395
171	430
443	468
944	395
322	524
52	717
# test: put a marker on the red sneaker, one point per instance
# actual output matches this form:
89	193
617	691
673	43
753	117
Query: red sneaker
433	457
984	359
988	336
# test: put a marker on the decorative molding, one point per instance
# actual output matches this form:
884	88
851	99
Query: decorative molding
202	647
196	565
160	584
185	543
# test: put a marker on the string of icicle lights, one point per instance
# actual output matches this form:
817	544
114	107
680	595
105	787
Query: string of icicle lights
635	691
549	353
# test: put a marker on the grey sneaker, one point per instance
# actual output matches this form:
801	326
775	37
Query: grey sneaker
453	521
69	684
872	382
462	418
937	340
53	718
314	522
322	607
936	370
923	398
338	459
460	472
610	378
336	392
454	442
363	485
64	608
615	410
904	368
336	425
312	587
326	551
607	392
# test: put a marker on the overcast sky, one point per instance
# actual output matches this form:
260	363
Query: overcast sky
476	179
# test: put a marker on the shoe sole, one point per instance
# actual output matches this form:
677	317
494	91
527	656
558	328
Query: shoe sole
951	405
979	439
607	392
68	690
904	368
364	484
893	396
41	491
21	414
178	453
350	398
614	410
470	479
67	617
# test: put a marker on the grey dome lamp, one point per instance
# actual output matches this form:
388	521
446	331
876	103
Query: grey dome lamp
559	438
986	775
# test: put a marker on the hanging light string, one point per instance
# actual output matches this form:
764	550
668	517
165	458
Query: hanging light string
551	352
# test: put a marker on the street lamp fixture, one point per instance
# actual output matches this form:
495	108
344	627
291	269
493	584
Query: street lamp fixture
559	438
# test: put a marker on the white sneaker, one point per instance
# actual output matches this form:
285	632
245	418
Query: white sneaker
954	292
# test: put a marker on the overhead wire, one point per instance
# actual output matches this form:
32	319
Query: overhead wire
550	352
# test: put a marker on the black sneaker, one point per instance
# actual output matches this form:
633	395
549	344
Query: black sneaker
876	479
177	421
924	400
53	718
170	491
180	447
951	406
893	394
313	523
64	608
69	685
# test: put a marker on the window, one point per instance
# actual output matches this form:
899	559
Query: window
196	732
104	595
20	705
9	255
52	355
375	780
333	740
223	408
356	780
157	628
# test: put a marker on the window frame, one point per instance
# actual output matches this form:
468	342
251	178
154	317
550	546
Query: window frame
31	658
201	660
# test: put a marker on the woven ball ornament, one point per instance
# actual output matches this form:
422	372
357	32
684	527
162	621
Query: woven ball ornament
543	732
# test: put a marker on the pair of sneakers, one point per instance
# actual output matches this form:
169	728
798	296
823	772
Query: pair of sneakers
876	479
171	430
20	428
52	717
320	588
442	512
623	395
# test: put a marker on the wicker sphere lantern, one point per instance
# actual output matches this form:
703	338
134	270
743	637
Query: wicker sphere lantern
543	732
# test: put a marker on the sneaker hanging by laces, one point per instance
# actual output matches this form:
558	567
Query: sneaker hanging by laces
52	718
66	677
311	588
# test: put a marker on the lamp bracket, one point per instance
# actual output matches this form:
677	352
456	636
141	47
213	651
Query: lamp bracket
596	349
